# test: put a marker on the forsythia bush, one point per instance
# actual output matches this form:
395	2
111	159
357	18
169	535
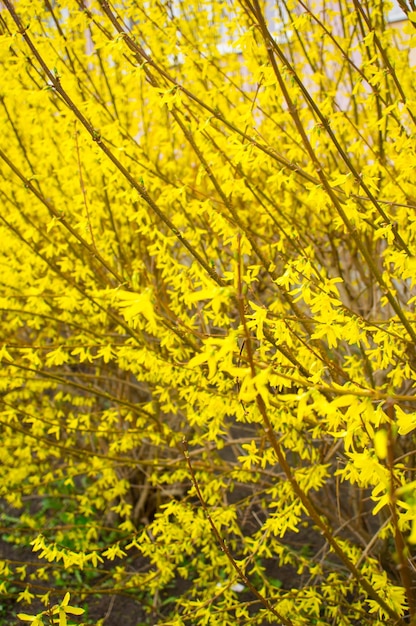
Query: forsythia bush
208	337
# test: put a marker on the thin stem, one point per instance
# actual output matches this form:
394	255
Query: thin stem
83	190
96	136
271	47
300	493
223	545
402	551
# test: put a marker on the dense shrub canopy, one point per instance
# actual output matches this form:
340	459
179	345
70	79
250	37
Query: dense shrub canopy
208	253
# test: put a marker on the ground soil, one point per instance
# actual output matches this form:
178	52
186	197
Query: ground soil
118	610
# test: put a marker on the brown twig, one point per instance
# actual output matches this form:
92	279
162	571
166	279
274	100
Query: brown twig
223	545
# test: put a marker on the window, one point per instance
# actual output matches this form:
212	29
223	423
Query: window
396	14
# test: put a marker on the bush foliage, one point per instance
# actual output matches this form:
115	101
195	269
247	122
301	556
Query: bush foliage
208	253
